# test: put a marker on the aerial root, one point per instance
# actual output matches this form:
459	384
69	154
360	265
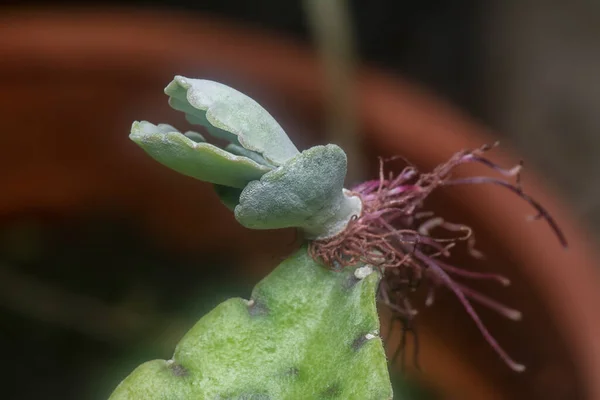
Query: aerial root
407	244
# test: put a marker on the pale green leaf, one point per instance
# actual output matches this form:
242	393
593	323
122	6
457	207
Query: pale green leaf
306	192
307	333
231	115
202	161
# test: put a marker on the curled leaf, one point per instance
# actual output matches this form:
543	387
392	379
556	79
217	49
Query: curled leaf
198	160
229	114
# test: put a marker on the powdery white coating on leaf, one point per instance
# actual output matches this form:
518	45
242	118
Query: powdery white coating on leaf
198	160
230	114
306	192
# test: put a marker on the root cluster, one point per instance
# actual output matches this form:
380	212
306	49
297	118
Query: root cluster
395	234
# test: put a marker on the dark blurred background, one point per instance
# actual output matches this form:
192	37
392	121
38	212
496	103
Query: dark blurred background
106	259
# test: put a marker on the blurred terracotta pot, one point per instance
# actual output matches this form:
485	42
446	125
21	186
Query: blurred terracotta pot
72	82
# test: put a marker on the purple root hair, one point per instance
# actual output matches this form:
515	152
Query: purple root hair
394	235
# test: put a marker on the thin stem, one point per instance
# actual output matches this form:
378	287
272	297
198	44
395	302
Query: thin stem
331	26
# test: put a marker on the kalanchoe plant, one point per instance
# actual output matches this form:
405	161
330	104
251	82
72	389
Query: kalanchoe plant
310	329
260	173
307	332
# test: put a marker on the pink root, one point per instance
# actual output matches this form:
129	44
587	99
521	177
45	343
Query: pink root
450	284
395	235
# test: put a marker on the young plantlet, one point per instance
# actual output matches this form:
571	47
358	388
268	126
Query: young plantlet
308	331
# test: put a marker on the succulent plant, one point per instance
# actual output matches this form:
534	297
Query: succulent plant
260	174
308	331
314	316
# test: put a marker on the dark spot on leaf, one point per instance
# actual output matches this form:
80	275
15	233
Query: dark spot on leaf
350	282
178	369
292	372
332	391
358	342
257	308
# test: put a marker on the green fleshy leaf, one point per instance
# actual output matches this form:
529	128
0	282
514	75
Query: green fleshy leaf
307	333
240	151
202	161
231	115
194	136
306	192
